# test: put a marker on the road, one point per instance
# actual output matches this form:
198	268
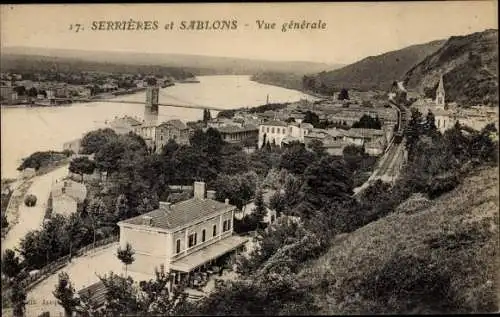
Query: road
31	218
83	271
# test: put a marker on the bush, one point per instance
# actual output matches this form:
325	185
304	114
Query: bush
246	224
30	200
440	185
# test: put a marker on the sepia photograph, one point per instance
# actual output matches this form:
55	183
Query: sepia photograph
249	159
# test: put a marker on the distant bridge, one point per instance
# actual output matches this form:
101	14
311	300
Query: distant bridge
112	100
151	103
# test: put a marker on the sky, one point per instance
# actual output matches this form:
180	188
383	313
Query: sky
354	30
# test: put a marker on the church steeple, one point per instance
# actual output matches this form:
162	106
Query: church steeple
440	94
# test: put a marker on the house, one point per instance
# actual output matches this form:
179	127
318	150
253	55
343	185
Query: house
73	145
184	237
240	134
332	139
147	132
125	124
279	132
8	95
171	130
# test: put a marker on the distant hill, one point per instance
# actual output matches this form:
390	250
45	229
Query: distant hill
27	65
204	64
469	65
378	72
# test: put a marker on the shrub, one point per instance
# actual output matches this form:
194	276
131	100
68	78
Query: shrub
246	224
440	185
30	200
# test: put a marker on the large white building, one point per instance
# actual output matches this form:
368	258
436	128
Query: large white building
182	238
279	132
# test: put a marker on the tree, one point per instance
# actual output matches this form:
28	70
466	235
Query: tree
121	295
82	165
326	181
260	210
32	92
430	128
296	158
413	131
367	122
109	155
343	95
11	265
318	148
206	116
312	118
157	300
20	90
18	300
277	202
30	200
65	294
238	188
75	230
126	255
93	141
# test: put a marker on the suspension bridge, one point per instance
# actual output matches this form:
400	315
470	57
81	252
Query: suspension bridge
151	103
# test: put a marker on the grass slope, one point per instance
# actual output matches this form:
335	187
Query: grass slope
441	258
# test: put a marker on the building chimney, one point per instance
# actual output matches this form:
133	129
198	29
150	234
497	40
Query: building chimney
165	205
226	201
147	220
199	190
211	194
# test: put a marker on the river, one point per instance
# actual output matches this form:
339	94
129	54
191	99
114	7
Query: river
27	130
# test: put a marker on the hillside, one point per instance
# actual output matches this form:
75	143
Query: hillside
205	64
378	72
469	65
441	257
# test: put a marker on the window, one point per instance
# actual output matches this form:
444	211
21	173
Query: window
284	130
272	218
272	130
178	246
203	235
192	240
439	123
267	129
215	230
226	225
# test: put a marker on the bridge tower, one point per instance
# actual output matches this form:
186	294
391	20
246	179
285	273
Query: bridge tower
151	107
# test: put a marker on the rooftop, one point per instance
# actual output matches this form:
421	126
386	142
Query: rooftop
175	122
180	214
235	128
275	123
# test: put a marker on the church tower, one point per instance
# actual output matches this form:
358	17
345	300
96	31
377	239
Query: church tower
440	95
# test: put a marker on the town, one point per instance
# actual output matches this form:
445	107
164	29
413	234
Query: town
359	180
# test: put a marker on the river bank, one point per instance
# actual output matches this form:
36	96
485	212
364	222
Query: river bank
95	98
288	81
30	129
